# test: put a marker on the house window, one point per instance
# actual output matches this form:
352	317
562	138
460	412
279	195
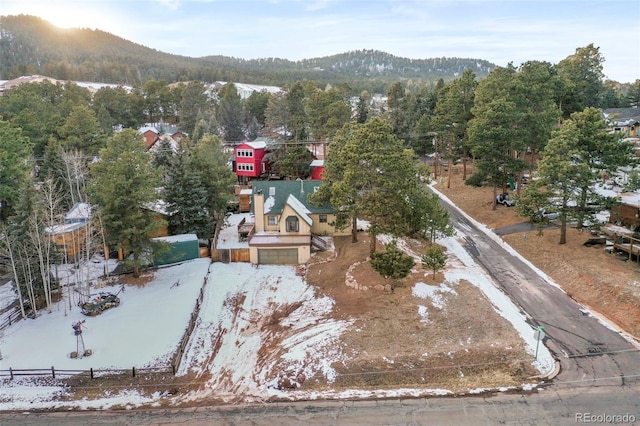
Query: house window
245	167
272	220
244	153
292	224
323	218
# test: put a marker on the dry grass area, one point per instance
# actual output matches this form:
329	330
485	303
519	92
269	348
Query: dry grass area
390	345
603	282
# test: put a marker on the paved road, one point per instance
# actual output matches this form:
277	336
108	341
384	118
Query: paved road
590	353
526	226
547	407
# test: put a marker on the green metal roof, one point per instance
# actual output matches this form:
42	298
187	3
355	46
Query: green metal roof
276	193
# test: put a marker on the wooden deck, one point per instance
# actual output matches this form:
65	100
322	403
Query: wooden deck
624	241
244	229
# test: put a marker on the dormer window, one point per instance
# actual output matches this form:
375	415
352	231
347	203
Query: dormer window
292	224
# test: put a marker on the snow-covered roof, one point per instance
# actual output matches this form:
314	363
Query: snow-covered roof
64	228
172	142
79	212
146	129
630	199
159	206
178	238
257	144
299	208
317	163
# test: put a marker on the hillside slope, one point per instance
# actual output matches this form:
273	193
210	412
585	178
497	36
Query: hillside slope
31	45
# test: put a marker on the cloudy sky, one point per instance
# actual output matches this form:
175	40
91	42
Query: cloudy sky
500	31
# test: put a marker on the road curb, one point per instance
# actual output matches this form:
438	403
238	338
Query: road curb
554	371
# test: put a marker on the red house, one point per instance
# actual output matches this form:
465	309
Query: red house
249	160
151	135
317	167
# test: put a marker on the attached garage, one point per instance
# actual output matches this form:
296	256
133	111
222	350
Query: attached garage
285	256
274	249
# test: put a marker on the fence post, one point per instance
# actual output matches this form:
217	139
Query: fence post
173	369
91	373
133	371
53	372
11	373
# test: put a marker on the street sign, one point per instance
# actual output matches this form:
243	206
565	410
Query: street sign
538	335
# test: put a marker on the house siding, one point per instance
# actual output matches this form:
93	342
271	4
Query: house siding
251	165
303	227
319	228
625	215
70	241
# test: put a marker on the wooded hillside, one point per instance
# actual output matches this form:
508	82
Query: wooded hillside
31	45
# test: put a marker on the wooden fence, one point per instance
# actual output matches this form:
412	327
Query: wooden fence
10	317
231	255
177	357
92	373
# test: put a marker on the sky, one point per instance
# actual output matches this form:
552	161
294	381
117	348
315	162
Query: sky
239	301
499	31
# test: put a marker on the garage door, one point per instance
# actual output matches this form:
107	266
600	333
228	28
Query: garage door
278	256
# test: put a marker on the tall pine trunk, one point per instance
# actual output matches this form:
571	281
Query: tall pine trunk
354	230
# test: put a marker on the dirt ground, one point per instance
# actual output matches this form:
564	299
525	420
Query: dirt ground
608	284
390	345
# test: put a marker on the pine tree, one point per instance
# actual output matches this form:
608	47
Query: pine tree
210	163
186	199
230	114
434	259
392	262
124	187
15	149
370	176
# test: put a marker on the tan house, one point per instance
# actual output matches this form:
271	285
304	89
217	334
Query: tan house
70	238
286	223
626	122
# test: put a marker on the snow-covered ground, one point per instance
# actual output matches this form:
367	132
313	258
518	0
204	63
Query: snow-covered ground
143	331
230	343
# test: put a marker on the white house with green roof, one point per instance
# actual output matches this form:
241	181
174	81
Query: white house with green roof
285	221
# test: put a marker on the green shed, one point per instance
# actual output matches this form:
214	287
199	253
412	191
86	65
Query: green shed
179	249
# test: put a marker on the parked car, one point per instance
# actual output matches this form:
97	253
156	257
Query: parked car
545	215
100	303
505	199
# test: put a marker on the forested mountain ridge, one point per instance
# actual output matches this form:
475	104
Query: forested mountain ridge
31	45
368	63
